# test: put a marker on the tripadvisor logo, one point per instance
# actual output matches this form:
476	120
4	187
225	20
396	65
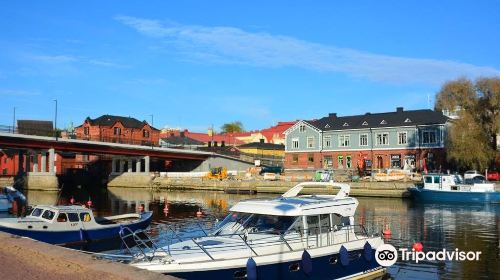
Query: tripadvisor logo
387	255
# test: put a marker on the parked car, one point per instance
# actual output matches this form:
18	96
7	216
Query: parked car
471	174
478	179
493	176
271	169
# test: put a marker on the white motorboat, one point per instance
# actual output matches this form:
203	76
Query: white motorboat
289	237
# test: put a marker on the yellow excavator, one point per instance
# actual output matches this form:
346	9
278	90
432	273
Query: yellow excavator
217	173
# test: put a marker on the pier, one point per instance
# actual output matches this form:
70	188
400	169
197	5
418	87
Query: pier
24	258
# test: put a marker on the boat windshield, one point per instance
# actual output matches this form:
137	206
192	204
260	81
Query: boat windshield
238	223
36	212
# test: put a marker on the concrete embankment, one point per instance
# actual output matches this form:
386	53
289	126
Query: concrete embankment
369	189
22	258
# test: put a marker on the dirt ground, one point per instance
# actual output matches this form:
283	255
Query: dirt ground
22	258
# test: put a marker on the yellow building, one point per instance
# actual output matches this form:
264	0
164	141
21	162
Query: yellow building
261	149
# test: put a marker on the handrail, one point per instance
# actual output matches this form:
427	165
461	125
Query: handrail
202	248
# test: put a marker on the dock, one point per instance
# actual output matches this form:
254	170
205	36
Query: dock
24	258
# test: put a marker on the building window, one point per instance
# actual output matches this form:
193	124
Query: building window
310	142
328	141
86	131
295	158
310	158
117	131
402	138
302	128
382	139
145	133
340	162
363	140
327	162
429	137
348	161
344	140
295	143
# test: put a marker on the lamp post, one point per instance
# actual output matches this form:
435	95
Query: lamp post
14	122
55	120
152	123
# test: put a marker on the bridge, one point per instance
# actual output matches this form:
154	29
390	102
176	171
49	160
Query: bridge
126	158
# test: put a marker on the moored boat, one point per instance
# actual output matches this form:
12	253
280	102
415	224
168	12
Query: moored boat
451	188
289	237
71	224
8	195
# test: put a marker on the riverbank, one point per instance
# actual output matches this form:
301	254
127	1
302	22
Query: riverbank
23	258
361	189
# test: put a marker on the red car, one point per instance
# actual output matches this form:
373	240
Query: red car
493	176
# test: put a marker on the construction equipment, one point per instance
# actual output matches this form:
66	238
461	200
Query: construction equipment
217	173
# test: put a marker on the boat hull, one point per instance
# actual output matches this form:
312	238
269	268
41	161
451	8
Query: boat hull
78	236
422	194
322	268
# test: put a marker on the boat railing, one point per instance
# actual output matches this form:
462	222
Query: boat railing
144	244
140	244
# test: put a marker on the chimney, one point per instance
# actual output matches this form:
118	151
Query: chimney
399	109
332	115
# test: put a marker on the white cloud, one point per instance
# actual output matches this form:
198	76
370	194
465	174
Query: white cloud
235	46
17	92
67	59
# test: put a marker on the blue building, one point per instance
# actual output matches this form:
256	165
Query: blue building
400	139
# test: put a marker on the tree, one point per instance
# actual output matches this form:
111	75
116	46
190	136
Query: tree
231	127
471	140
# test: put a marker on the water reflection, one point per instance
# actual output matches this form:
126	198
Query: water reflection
467	227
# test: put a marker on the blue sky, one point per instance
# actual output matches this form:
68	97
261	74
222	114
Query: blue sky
193	64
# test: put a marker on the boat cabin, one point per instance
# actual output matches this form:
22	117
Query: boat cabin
453	182
54	214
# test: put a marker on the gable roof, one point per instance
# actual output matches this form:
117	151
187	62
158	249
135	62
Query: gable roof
110	120
179	140
377	120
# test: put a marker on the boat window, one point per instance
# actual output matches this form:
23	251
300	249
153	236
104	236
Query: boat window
312	224
437	179
73	217
36	212
337	221
324	222
85	217
428	180
269	223
237	223
49	215
62	218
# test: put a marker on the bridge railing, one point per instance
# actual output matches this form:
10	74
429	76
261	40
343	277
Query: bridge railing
62	134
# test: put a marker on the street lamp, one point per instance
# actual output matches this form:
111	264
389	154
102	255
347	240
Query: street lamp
14	122
152	123
55	119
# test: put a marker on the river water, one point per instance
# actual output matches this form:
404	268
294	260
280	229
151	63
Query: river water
436	226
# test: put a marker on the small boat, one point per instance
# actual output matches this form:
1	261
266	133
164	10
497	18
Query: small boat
71	224
289	237
452	188
7	196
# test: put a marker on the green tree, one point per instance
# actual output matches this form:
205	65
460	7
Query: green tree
470	141
231	127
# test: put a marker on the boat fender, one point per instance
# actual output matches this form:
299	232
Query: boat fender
344	256
251	269
306	263
368	252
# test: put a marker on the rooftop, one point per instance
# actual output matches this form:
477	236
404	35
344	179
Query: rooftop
110	120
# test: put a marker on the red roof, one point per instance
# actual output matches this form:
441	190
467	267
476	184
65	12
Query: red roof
280	128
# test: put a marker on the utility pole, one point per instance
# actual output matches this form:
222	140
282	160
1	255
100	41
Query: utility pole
14	122
55	120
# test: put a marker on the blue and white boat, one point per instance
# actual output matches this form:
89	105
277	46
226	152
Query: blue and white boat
7	195
452	188
289	237
71	224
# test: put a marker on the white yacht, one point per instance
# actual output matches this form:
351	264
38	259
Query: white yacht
289	237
